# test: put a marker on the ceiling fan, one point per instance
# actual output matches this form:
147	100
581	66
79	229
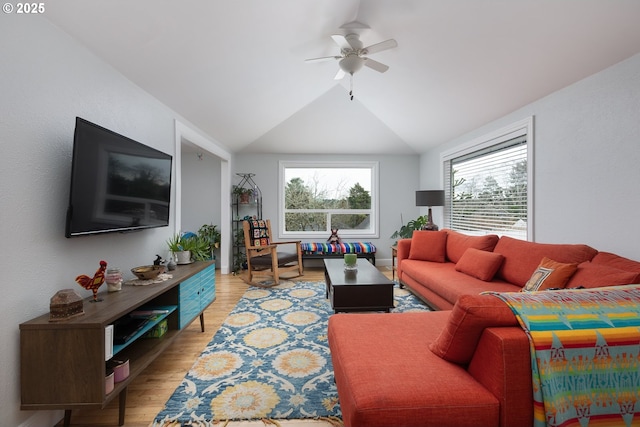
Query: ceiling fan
353	56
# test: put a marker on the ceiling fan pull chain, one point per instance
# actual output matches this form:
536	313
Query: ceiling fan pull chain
351	87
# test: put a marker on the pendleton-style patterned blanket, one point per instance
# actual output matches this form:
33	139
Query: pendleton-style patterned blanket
338	248
585	349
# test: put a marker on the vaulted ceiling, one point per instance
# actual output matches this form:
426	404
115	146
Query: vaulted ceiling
236	68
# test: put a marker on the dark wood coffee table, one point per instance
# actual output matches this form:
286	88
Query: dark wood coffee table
363	290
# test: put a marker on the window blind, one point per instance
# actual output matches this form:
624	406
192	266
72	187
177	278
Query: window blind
486	190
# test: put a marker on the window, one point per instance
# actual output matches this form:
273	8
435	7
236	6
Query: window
315	197
488	184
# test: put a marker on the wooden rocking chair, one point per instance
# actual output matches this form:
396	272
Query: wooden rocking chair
263	256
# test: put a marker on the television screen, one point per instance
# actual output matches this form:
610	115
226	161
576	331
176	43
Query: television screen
117	184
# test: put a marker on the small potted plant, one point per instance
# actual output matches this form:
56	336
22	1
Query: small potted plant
180	246
243	195
239	263
200	249
211	236
239	258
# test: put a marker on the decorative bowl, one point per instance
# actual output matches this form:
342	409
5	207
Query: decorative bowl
148	272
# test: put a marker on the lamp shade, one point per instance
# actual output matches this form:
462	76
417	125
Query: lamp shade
430	198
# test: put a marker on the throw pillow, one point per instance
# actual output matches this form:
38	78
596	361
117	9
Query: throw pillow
259	233
550	274
428	245
482	265
470	316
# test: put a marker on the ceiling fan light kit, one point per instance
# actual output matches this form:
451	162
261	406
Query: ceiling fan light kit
351	64
353	56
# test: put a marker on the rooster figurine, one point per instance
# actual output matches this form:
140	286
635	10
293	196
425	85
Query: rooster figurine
93	283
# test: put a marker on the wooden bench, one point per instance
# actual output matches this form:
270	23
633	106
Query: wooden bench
365	250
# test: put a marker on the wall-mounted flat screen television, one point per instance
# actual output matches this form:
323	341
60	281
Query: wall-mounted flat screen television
117	184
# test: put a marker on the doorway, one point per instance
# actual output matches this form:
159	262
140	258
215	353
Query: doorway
202	188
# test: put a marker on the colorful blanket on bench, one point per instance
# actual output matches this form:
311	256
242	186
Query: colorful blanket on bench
585	350
338	248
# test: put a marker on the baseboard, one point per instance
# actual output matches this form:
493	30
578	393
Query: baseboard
43	418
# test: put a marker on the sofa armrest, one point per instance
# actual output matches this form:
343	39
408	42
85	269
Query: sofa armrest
403	249
502	364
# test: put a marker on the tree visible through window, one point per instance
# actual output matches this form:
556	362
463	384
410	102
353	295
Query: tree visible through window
320	197
487	187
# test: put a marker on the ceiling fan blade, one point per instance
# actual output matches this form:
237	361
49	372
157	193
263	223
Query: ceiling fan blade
340	75
379	47
322	59
341	41
375	65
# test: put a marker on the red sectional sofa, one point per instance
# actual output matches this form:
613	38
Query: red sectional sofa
469	363
441	266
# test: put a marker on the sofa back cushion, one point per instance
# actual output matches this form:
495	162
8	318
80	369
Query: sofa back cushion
616	261
593	275
521	258
428	245
468	319
482	265
458	243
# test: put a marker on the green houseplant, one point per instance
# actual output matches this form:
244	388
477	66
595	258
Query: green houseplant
199	247
210	235
239	258
180	246
242	194
189	246
406	231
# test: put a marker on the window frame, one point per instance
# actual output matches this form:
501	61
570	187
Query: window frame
517	129
373	232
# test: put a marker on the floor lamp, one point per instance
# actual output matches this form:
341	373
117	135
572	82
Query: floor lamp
430	198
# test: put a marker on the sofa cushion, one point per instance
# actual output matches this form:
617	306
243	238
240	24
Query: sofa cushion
420	389
469	318
458	243
443	280
550	274
616	261
592	275
482	265
428	245
521	258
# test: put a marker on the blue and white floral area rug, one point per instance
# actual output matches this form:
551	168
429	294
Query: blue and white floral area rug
269	360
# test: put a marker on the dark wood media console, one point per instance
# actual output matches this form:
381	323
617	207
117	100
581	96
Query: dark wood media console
63	364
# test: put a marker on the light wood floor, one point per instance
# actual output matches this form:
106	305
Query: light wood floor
147	394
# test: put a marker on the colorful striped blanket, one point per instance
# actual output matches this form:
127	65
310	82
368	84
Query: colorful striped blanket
338	248
585	354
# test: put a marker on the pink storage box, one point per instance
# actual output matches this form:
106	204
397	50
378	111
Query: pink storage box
120	369
108	383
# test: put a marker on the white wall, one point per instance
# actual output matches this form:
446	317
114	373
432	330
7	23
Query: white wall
201	198
398	184
46	80
587	161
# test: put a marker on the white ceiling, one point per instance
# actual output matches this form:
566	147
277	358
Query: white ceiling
236	69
